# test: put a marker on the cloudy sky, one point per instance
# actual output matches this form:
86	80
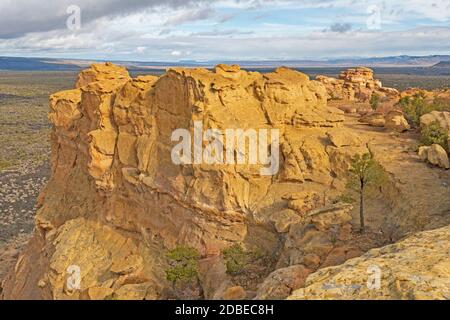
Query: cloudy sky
173	30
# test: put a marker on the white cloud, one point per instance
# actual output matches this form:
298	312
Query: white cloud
161	30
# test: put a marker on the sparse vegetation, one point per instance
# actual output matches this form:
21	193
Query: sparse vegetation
374	101
435	134
183	265
364	172
24	127
236	259
416	106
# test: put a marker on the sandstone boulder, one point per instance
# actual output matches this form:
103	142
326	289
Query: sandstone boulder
341	138
441	117
234	293
415	268
348	109
213	277
436	155
284	219
374	119
395	121
282	282
310	241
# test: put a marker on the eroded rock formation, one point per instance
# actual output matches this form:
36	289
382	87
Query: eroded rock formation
116	202
415	268
356	84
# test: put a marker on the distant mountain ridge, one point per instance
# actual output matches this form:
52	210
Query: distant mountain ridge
52	64
442	64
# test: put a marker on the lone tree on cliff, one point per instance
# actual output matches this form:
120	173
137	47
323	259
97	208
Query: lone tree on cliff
364	172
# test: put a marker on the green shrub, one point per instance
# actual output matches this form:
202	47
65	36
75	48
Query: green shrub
236	259
374	101
183	265
416	106
435	134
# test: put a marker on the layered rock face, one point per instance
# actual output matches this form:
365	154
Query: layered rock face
415	268
117	202
356	84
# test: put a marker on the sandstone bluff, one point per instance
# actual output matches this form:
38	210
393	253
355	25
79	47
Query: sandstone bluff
116	202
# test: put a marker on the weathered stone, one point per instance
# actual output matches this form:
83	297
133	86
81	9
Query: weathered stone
341	138
213	277
395	121
282	282
234	293
436	155
101	72
374	119
284	219
99	293
415	268
116	195
441	117
357	84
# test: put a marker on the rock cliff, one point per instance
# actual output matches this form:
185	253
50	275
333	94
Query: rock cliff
116	202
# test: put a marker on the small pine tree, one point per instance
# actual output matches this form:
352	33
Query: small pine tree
364	172
374	101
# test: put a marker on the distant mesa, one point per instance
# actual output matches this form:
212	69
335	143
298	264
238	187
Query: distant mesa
442	64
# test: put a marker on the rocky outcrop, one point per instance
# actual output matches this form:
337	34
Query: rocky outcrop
395	121
311	241
436	155
415	268
282	282
340	138
441	117
101	72
356	84
374	119
117	202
